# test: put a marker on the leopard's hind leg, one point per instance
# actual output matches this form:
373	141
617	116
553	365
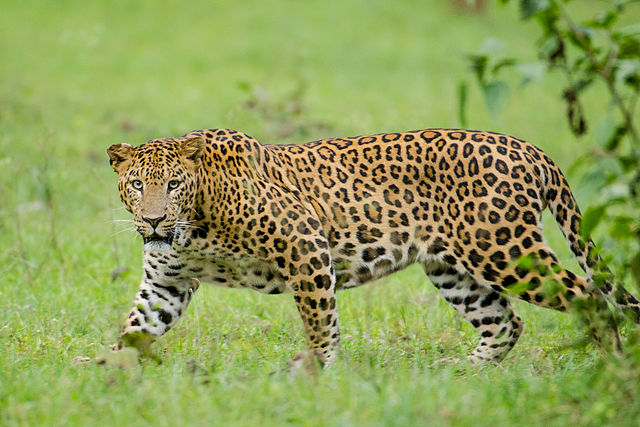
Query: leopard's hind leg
537	277
487	310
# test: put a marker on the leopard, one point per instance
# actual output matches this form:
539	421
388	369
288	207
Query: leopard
216	206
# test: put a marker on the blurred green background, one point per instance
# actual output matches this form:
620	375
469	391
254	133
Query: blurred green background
78	76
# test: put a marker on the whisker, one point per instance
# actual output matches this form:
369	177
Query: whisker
184	221
124	230
192	227
188	225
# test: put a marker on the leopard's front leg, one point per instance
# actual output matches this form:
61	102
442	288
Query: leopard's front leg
162	298
317	308
315	296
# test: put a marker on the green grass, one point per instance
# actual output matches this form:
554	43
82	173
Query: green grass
76	77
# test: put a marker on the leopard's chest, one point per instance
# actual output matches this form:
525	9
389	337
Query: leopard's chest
213	263
244	272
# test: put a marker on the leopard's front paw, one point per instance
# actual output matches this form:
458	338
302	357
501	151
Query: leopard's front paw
125	358
141	341
306	363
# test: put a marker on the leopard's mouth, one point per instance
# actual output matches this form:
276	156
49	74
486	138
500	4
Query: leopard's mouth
155	237
156	242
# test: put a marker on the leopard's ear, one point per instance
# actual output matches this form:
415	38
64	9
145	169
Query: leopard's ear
119	156
192	149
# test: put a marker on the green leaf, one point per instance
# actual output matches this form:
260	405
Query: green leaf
528	8
603	20
627	70
552	48
615	193
593	180
591	219
526	262
517	288
462	104
552	287
492	45
507	62
630	30
531	72
581	36
621	227
478	66
635	268
605	131
628	163
582	84
495	96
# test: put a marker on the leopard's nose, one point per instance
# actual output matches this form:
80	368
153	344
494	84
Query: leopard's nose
154	222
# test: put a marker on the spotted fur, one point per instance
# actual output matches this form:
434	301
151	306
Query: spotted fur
311	219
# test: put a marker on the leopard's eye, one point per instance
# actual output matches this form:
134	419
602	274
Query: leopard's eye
137	184
173	184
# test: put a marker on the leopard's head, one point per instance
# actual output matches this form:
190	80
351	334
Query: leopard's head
158	184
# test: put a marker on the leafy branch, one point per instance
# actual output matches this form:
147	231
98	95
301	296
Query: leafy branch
596	51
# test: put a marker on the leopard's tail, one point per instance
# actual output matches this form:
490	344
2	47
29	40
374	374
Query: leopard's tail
558	196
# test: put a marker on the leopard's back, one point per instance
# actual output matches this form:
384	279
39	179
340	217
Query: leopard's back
389	200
